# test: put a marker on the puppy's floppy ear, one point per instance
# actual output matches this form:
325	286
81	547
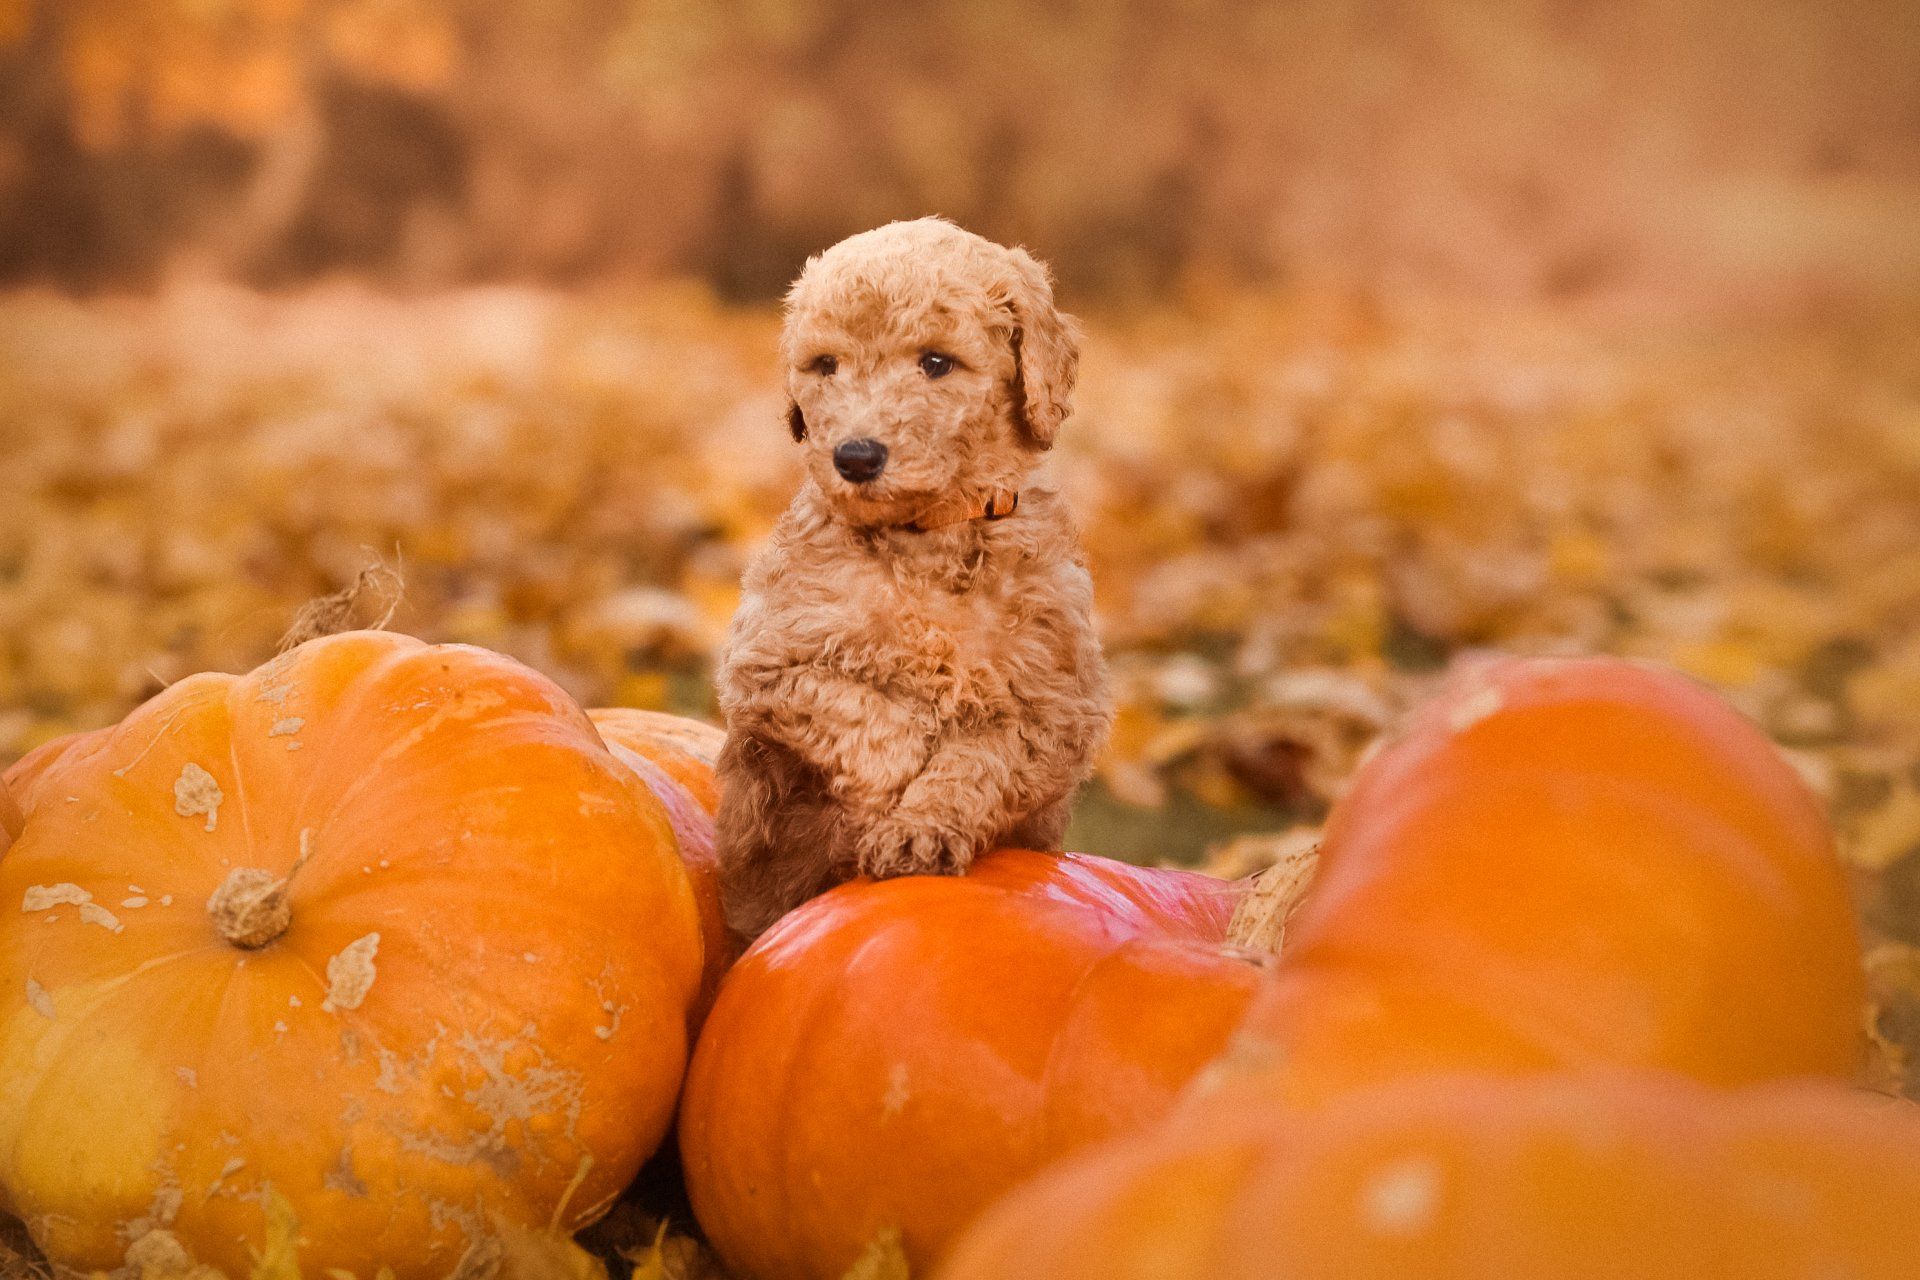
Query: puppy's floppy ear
794	313
1046	349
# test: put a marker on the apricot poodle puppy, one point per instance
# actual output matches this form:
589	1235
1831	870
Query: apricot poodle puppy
912	676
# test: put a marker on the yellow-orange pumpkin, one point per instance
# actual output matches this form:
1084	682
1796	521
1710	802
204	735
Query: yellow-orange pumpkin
1592	1177
675	756
381	930
896	1054
1566	863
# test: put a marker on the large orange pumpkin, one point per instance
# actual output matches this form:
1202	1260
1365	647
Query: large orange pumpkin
895	1054
1462	1178
1565	863
1561	868
675	756
380	931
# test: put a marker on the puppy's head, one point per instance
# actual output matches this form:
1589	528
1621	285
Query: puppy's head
922	362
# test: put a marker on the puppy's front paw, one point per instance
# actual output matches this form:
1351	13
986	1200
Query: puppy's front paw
897	848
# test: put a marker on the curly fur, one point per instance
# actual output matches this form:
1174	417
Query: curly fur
899	700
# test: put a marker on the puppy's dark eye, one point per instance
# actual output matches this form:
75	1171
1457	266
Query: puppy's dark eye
936	365
823	365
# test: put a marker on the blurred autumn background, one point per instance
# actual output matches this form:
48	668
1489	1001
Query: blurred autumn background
1415	328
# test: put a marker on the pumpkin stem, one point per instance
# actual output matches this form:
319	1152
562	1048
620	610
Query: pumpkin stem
378	584
250	907
1271	897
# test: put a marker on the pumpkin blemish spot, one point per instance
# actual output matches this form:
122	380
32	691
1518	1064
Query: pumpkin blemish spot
275	688
158	1252
38	998
195	792
898	1091
614	1012
539	1088
350	974
227	1170
1402	1198
161	1211
94	913
342	1176
45	897
388	1081
290	725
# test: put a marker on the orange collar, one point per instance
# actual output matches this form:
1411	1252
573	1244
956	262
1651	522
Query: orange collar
997	505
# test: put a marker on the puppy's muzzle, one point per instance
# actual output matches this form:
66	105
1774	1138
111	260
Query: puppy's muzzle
859	460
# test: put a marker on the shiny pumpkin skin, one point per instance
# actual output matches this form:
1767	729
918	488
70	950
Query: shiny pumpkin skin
516	1054
1566	863
675	756
896	1054
1572	1177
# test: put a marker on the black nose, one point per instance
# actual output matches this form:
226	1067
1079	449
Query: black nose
859	460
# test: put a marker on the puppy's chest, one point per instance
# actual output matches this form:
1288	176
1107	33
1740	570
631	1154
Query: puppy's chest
968	628
961	645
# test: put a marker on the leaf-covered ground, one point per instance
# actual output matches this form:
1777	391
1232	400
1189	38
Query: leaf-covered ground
1297	510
